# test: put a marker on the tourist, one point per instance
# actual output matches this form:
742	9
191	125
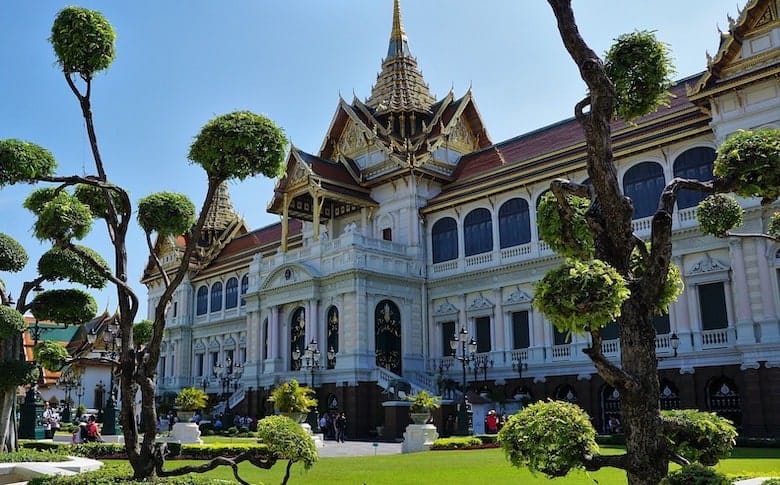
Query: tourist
48	420
491	422
341	427
92	430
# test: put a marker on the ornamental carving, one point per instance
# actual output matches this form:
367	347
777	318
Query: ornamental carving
446	308
518	296
352	140
707	264
461	134
480	303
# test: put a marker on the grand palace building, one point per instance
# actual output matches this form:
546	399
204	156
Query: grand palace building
410	225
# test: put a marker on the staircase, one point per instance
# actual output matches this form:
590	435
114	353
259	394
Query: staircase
386	380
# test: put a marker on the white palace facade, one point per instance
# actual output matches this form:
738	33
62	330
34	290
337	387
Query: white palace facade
410	225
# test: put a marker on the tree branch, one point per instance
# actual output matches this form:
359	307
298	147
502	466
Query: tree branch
597	461
256	458
669	194
612	374
156	260
579	111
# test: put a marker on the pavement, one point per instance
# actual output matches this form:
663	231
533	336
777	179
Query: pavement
358	448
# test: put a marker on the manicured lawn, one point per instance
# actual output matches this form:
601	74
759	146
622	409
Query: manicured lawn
462	467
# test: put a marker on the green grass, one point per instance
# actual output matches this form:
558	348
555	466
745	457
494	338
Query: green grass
461	467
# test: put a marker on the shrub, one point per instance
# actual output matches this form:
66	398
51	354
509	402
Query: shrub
290	397
699	436
718	214
121	475
456	443
750	161
553	228
287	440
696	474
33	455
550	437
423	402
191	399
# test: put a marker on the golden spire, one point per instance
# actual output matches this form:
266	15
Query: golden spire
400	86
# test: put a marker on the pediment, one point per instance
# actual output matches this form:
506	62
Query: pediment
517	297
480	303
445	308
707	265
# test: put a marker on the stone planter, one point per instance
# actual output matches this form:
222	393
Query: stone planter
419	418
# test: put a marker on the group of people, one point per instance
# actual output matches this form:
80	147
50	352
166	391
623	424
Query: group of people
87	431
334	426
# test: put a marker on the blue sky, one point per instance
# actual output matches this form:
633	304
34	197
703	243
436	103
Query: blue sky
180	63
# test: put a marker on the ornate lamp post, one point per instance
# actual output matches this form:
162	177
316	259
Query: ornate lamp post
80	391
112	343
467	350
519	365
481	363
229	375
674	341
68	381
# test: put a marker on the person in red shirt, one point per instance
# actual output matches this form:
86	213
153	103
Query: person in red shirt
92	430
492	422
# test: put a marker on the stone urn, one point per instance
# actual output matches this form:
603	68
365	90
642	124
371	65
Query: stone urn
420	418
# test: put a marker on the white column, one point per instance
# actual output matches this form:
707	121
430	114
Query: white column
499	324
744	320
683	319
770	331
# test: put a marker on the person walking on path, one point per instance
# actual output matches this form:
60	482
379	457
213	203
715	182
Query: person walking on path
341	427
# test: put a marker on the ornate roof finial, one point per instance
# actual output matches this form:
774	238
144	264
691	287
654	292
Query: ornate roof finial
221	213
399	86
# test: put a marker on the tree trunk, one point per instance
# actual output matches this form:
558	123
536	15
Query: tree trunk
648	462
7	419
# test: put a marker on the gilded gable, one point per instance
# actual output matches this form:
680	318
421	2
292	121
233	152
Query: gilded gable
352	141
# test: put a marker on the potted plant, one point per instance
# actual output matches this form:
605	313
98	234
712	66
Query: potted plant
422	404
292	400
189	400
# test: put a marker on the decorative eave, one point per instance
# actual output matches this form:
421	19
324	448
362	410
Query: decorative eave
757	14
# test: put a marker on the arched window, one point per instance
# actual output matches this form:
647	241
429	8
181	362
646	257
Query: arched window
216	297
297	336
444	237
231	293
244	288
202	301
695	163
514	223
333	333
478	232
387	335
643	183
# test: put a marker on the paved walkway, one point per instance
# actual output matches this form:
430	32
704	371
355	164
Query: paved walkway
358	448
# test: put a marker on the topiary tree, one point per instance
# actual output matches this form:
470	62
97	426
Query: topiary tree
633	80
230	147
287	440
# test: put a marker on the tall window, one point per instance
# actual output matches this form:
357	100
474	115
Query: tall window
514	223
610	331
199	365
444	238
712	303
643	183
216	297
661	324
478	232
333	333
695	163
265	340
202	301
162	366
447	333
244	288
231	293
560	338
482	325
521	338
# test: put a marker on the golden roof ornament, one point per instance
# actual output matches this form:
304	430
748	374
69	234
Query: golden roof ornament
221	213
400	86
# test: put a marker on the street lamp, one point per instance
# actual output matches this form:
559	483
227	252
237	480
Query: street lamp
674	340
228	374
68	381
467	350
112	344
481	363
80	391
309	360
519	365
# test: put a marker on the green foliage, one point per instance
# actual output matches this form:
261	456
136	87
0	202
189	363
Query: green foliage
581	296
167	213
11	322
17	373
749	160
287	440
122	475
423	402
83	41
550	437
70	306
673	286
51	355
33	456
772	481
95	198
774	225
64	264
640	67
38	198
552	227
456	443
718	214
700	436
191	399
13	257
239	145
21	161
63	218
696	474
142	332
290	397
